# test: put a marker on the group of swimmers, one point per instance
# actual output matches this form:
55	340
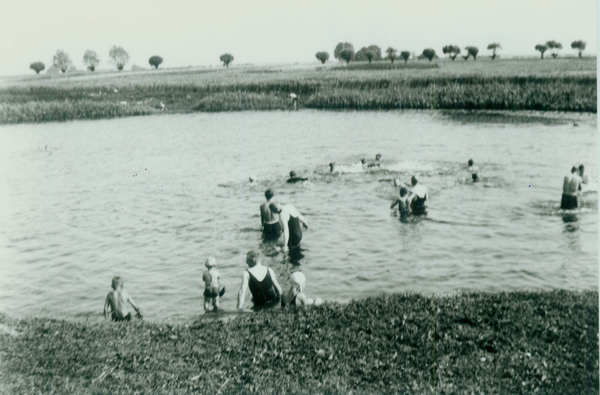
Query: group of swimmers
282	224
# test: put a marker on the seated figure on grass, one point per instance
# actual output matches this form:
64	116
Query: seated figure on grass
117	302
295	295
261	281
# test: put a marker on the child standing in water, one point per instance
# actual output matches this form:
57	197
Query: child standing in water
211	285
403	203
295	295
117	302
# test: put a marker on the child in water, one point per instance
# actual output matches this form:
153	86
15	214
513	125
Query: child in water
295	295
211	285
403	203
474	170
117	302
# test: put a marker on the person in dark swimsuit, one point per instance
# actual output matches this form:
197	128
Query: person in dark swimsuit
420	196
290	220
473	169
261	281
294	178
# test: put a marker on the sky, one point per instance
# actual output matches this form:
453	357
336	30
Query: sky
196	32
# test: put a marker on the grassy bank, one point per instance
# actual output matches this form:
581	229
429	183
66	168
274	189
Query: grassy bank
515	85
517	342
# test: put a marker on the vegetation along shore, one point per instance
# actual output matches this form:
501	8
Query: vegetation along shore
518	342
565	84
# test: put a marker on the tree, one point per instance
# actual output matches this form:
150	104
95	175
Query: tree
405	55
347	55
554	45
429	53
391	53
37	67
155	61
226	58
451	50
61	60
91	59
494	46
364	54
340	47
542	49
369	56
376	52
579	45
471	51
322	56
119	56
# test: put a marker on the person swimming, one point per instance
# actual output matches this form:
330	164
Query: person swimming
473	169
376	163
420	197
294	178
331	167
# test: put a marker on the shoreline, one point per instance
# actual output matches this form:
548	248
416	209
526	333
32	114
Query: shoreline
509	342
567	85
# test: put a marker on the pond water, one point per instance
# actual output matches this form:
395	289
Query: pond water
151	198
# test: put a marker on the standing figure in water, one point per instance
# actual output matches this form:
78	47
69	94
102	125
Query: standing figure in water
571	185
261	281
420	196
473	169
294	178
290	220
269	219
403	203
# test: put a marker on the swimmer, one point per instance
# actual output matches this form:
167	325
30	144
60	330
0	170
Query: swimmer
290	220
252	179
331	167
420	196
376	163
473	169
571	184
585	179
295	295
269	219
403	203
294	178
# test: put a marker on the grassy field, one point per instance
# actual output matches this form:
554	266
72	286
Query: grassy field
506	343
565	84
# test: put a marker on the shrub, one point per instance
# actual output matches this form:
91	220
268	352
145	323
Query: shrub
91	59
62	60
226	58
119	56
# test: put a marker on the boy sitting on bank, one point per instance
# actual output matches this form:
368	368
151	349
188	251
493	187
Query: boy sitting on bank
117	302
211	285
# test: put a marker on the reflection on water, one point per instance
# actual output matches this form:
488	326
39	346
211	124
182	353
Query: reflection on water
74	215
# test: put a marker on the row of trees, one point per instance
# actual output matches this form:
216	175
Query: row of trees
345	52
555	46
117	55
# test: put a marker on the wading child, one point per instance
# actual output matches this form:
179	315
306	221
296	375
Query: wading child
117	302
211	285
295	295
403	203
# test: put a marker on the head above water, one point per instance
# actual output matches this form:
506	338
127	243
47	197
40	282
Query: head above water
470	163
210	262
252	178
293	174
363	161
574	169
377	157
581	169
252	258
275	207
414	180
403	192
117	282
269	194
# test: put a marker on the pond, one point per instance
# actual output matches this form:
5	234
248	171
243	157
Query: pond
151	198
